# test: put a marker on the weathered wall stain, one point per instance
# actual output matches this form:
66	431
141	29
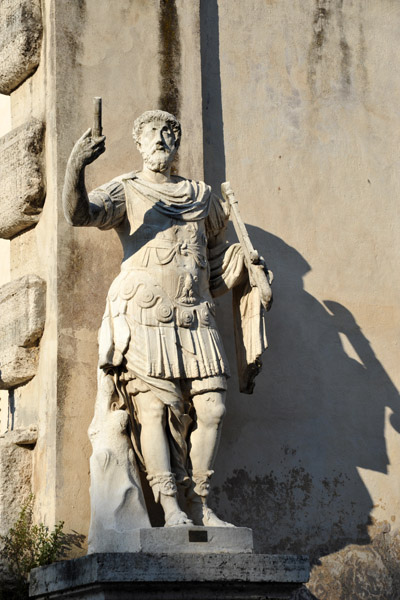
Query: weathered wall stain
330	57
170	58
211	91
362	59
345	53
290	502
320	23
73	34
342	569
170	62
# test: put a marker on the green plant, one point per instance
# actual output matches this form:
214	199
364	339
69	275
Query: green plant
27	546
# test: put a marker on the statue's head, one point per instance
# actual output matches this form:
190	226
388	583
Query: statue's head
157	134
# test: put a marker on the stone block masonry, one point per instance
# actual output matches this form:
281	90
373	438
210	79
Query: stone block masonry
22	191
20	42
16	476
22	317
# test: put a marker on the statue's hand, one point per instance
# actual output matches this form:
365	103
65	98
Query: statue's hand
87	149
262	278
269	274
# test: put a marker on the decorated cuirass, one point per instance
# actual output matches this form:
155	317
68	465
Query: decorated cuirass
165	273
160	316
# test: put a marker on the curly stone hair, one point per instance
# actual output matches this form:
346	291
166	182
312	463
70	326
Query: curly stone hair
156	115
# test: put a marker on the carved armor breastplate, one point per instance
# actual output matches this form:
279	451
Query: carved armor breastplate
165	272
159	318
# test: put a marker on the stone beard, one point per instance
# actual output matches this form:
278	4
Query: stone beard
162	361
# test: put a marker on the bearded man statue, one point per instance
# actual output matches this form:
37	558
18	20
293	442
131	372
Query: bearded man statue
162	373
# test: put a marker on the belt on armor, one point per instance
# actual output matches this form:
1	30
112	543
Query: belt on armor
183	248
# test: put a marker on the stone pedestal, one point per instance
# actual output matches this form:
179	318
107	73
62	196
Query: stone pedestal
176	540
174	576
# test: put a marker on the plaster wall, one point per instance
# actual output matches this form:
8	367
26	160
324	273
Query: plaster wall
310	139
316	170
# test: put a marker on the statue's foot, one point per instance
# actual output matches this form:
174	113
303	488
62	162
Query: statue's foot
174	516
203	515
177	518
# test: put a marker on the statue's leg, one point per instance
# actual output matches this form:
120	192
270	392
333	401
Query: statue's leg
156	455
204	441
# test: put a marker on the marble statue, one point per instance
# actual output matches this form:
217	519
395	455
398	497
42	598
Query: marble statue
163	372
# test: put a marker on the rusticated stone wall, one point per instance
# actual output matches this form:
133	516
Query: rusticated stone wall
5	126
22	300
16	453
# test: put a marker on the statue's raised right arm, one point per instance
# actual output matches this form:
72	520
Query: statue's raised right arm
78	210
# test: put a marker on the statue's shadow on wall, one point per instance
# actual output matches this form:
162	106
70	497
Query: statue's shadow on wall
318	414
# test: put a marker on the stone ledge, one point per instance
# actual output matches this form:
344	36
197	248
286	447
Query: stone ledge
20	41
22	189
170	576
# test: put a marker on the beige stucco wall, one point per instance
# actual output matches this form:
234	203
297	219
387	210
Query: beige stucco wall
296	103
311	138
311	147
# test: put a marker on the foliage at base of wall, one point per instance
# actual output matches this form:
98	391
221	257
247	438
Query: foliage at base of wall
28	545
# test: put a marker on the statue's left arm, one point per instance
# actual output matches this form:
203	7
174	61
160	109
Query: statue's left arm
226	260
228	271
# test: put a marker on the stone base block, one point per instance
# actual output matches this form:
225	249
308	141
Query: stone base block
145	576
167	540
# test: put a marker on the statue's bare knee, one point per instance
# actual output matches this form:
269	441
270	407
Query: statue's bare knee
151	411
210	408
